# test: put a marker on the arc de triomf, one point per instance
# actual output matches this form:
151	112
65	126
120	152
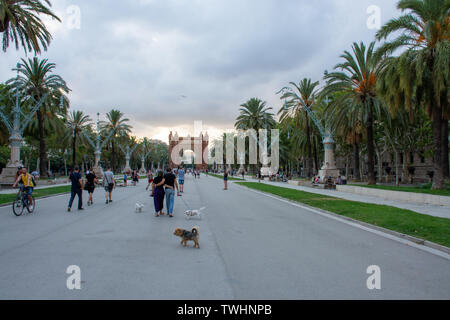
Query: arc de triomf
199	145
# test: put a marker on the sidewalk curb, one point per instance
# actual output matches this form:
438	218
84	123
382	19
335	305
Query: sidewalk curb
403	236
43	197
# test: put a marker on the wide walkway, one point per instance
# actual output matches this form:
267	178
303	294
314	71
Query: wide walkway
252	247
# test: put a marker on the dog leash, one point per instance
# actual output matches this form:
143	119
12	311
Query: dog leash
185	203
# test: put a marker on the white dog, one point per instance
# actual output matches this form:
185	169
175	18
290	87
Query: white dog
139	207
194	213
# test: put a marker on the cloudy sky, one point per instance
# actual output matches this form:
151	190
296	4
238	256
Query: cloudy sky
167	63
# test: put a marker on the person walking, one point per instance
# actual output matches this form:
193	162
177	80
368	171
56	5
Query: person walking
125	179
135	178
150	180
91	181
109	184
225	179
76	189
158	193
170	182
181	174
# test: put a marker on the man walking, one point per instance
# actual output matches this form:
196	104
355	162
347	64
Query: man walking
76	189
108	183
170	182
181	174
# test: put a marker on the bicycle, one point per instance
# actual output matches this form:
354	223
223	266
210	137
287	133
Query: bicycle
22	202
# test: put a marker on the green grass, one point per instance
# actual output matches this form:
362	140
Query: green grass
37	193
230	178
426	227
422	189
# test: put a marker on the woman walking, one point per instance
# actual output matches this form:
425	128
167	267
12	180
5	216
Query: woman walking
158	193
91	181
150	180
225	179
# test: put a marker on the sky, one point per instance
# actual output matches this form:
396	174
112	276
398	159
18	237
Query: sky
168	63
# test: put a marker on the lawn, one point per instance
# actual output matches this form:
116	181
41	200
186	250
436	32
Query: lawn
37	193
230	178
426	227
422	189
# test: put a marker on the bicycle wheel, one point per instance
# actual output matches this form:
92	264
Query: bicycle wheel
31	208
17	207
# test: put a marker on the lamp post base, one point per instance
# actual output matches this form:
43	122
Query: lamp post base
98	172
8	175
127	170
325	173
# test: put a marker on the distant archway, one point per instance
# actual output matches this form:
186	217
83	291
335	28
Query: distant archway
199	145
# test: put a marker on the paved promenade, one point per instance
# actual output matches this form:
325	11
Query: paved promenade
252	247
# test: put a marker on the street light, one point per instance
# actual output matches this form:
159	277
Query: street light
16	129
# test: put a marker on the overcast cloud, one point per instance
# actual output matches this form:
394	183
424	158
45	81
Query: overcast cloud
166	63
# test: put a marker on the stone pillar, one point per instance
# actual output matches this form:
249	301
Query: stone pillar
329	168
8	174
142	170
97	169
127	168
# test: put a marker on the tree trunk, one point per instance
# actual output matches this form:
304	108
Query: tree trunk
42	145
308	149
445	162
396	169
380	164
404	168
347	163
356	175
316	160
370	147
113	157
438	177
74	150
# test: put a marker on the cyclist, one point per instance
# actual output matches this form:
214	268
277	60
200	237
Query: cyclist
26	184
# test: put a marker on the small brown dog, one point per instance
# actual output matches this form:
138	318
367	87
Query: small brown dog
188	236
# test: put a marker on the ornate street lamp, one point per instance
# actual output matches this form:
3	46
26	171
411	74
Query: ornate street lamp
16	129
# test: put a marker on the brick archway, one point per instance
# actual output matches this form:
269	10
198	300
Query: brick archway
197	144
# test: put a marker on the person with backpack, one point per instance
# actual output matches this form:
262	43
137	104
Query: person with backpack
109	184
27	183
76	189
91	181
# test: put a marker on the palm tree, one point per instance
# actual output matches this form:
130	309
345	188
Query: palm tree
20	23
346	118
305	94
423	32
117	123
35	79
76	122
356	83
254	114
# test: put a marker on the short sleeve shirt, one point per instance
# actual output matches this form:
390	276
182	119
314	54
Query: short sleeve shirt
170	179
75	179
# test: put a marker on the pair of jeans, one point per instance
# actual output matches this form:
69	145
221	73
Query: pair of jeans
79	193
170	198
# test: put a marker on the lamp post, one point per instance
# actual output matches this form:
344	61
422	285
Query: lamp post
128	152
329	168
144	156
98	147
16	129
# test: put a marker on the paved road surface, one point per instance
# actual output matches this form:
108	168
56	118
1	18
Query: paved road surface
252	247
